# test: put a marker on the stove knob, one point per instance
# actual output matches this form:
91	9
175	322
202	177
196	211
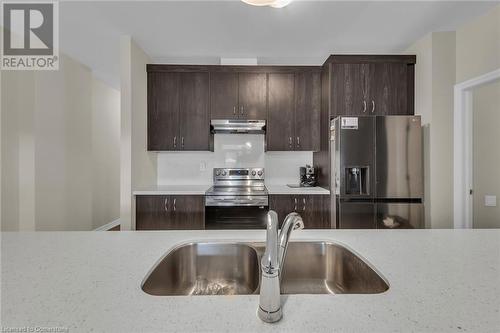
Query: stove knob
223	173
259	173
217	173
253	173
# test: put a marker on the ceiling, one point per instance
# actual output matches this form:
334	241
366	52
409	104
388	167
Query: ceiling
305	32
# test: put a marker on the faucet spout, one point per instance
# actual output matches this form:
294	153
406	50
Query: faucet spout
292	222
271	264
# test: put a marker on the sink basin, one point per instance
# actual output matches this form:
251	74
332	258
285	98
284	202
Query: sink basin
205	269
327	268
233	269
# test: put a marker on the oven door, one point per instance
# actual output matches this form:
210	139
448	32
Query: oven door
240	212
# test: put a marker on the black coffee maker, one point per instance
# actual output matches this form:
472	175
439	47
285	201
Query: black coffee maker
307	176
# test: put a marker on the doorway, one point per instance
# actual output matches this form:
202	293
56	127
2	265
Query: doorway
486	156
475	148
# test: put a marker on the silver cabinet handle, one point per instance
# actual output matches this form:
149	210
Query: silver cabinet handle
304	206
165	204
298	141
175	199
295	206
175	141
241	109
373	106
290	142
234	110
182	142
364	106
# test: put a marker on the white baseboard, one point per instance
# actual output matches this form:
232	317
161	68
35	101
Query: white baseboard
108	226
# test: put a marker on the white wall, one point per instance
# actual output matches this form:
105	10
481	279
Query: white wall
230	150
486	136
47	143
137	165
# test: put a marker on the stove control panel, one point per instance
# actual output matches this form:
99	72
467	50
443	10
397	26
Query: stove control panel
238	174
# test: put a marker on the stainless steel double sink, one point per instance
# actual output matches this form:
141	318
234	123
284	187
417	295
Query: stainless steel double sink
233	269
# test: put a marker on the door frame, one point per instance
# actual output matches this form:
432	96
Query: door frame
463	149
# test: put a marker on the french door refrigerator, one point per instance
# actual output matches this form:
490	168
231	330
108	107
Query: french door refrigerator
377	172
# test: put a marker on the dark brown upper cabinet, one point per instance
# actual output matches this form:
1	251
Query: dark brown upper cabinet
163	110
371	85
307	110
294	111
252	95
281	106
236	95
193	111
178	111
224	95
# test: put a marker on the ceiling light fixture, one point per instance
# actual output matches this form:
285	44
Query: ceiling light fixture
271	3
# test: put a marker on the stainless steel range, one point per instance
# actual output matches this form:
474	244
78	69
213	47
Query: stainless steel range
238	199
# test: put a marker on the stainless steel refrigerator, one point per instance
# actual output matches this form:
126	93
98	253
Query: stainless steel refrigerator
377	172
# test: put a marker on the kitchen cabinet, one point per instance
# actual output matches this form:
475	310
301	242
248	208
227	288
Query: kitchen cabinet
294	111
313	209
224	95
170	212
163	110
372	85
178	111
236	95
280	122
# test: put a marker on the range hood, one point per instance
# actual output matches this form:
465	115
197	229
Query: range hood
238	126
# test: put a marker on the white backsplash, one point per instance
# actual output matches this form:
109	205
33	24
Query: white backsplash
230	150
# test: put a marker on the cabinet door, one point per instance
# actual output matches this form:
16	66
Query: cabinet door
282	205
188	212
350	89
193	112
280	125
314	211
223	95
152	212
163	111
389	91
307	111
252	96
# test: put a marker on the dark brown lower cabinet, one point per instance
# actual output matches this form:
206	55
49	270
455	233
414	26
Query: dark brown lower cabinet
314	209
170	212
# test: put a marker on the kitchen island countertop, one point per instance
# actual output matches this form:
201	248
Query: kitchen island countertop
440	281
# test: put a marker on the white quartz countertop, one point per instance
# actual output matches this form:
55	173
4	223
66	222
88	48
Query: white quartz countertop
172	190
201	189
440	281
284	189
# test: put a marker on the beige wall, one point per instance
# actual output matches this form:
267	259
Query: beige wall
138	166
443	59
486	117
105	153
435	76
47	149
478	46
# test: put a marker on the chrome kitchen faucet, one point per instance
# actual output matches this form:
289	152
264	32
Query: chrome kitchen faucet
272	263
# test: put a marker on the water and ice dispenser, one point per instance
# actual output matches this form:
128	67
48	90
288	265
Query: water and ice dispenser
357	180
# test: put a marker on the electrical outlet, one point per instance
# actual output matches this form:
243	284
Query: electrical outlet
203	166
490	200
